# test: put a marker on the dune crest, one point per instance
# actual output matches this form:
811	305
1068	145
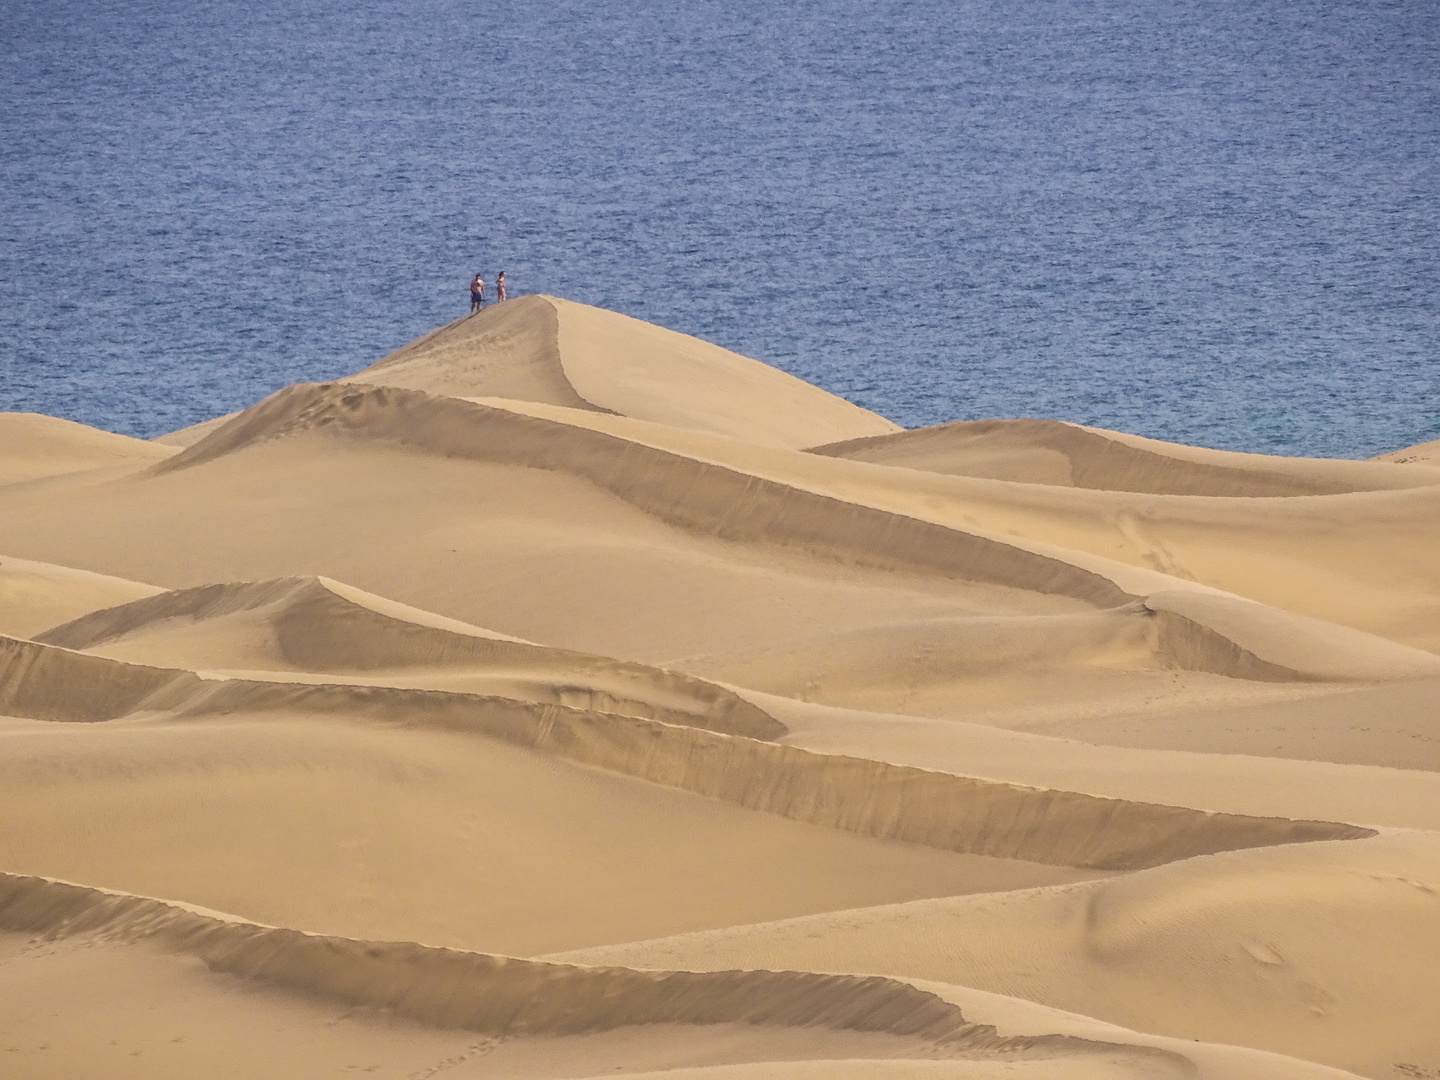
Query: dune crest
321	626
680	490
1231	948
544	349
1072	455
510	997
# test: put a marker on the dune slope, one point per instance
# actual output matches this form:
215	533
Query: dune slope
1072	455
316	625
33	447
541	348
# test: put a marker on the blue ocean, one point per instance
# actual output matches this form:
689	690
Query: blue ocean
1211	222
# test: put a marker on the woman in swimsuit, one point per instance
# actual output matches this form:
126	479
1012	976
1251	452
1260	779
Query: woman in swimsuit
500	287
477	294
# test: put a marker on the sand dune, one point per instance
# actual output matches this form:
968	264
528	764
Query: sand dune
683	491
1011	748
317	625
1393	784
1291	554
33	447
1071	455
1301	950
416	832
936	809
540	348
193	433
1427	454
1082	664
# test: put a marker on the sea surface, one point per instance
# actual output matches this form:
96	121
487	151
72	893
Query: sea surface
1212	222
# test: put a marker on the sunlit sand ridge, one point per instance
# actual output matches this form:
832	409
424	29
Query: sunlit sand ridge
562	696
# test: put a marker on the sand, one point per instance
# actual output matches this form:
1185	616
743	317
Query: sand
560	696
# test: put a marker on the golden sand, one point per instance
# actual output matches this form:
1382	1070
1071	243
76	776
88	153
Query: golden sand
562	696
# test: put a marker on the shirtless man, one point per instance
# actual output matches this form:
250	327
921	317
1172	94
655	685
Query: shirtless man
477	294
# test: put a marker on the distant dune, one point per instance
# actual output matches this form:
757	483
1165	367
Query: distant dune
1427	454
562	696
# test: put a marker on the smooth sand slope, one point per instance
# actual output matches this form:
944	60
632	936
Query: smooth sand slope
33	447
562	696
35	596
1072	455
1420	454
544	349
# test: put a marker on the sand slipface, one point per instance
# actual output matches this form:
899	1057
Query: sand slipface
563	696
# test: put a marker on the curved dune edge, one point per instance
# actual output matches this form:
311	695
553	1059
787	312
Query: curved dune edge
497	995
508	350
1071	455
632	368
318	625
1240	948
553	351
1206	625
858	795
696	495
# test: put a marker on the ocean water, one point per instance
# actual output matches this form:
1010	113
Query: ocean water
1212	222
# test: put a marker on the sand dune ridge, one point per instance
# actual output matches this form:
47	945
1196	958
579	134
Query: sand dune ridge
693	494
1072	455
495	994
873	798
314	624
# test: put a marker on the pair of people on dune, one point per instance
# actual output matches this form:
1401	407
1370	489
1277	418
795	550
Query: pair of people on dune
477	291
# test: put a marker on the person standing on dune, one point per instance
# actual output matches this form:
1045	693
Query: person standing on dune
477	293
500	287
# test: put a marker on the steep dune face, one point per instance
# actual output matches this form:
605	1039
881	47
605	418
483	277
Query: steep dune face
33	447
377	814
769	501
509	350
500	995
1070	455
543	349
547	632
1078	664
635	369
1294	553
56	684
